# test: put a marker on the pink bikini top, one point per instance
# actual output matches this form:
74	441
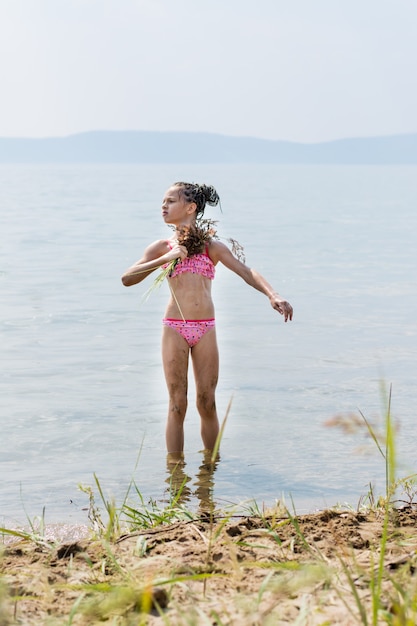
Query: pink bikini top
196	264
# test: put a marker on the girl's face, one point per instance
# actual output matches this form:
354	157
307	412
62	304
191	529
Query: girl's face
176	210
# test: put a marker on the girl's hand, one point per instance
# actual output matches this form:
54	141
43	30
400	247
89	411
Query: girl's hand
178	252
282	306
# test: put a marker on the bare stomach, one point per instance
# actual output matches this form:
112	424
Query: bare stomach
190	298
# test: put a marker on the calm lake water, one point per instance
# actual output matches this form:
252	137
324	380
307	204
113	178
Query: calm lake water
82	389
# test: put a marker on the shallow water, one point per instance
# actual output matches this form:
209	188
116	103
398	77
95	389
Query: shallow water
82	389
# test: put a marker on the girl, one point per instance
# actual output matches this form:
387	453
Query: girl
189	325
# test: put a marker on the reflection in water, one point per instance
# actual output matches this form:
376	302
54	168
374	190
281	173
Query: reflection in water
178	481
205	482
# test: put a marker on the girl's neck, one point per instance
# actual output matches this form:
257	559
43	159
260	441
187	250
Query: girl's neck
186	224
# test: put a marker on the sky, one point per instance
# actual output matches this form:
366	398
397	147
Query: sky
298	70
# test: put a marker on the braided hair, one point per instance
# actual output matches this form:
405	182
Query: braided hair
200	194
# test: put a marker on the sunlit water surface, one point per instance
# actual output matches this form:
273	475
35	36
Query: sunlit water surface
82	389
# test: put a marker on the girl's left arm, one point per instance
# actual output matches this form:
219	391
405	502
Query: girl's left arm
220	252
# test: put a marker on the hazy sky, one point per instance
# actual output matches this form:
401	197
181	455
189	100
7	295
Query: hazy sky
302	70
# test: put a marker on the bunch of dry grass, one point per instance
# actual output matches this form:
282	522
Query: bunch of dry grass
195	237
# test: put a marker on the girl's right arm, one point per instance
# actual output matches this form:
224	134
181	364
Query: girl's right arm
154	256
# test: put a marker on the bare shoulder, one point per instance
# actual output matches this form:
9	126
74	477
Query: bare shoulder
220	252
156	249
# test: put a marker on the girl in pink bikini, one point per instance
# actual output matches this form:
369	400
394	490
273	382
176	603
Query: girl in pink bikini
189	322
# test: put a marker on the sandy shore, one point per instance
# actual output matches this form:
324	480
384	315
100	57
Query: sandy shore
243	571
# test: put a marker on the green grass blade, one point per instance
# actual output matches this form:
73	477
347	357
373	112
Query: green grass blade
221	432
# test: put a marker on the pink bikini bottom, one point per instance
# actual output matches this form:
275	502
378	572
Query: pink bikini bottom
191	330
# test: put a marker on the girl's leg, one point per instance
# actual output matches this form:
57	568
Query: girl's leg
175	353
205	357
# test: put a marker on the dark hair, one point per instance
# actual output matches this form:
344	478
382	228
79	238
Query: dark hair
200	194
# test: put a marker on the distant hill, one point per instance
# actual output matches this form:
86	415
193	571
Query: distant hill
178	147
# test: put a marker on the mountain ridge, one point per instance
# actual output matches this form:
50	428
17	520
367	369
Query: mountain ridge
160	147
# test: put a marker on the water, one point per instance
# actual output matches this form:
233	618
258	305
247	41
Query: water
82	389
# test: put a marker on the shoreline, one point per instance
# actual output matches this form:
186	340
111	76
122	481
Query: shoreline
270	568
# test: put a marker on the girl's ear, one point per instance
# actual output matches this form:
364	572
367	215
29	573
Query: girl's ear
192	208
